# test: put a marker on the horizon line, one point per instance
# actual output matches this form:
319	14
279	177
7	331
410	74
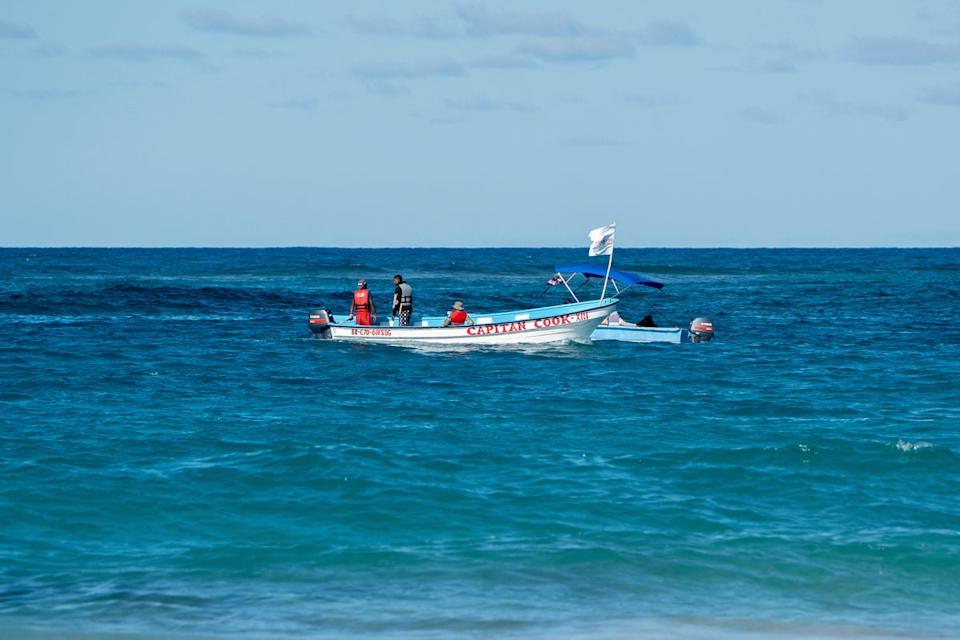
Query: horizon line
466	248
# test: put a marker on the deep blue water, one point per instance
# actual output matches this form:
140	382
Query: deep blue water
180	458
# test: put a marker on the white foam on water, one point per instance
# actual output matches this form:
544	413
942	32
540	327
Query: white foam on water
903	445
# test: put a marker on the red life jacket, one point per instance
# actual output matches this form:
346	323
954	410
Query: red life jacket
458	316
361	298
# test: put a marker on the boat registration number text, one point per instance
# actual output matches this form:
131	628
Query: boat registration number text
370	332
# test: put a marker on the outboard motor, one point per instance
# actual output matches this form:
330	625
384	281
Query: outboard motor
319	323
701	330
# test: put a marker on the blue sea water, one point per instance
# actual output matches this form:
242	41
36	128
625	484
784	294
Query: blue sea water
180	458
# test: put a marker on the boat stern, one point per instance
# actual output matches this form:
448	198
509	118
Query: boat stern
319	323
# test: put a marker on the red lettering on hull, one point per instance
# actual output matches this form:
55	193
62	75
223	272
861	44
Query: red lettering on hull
487	329
556	321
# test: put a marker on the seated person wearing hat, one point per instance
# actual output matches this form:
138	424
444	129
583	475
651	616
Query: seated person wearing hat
457	316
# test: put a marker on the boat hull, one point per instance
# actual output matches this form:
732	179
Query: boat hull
531	326
627	333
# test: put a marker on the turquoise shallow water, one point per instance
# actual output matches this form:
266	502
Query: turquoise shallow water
180	458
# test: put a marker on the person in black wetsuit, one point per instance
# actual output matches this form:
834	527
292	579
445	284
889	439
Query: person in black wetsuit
647	321
402	300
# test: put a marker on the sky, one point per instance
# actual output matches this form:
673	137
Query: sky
278	123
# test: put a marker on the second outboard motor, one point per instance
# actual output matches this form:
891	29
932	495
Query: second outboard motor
701	330
319	323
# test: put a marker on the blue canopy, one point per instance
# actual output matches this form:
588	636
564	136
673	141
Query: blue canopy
598	271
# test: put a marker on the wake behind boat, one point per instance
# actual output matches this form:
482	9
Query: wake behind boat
555	323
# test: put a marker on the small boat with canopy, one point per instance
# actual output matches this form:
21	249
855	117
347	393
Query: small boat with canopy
577	277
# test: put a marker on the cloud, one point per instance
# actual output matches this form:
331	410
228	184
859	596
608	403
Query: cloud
386	88
942	96
299	103
777	66
381	78
553	37
448	120
891	50
255	53
785	57
835	107
668	33
650	101
941	23
419	27
509	61
559	38
267	25
480	21
425	68
42	94
562	38
758	115
16	31
472	19
146	53
578	49
49	50
139	84
591	141
481	104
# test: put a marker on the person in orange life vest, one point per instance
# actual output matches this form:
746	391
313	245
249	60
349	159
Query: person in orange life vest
457	316
363	305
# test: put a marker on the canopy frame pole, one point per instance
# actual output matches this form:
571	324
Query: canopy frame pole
607	276
564	281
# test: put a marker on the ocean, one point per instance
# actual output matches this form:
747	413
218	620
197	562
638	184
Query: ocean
180	458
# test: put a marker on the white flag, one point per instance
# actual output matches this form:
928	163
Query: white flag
601	240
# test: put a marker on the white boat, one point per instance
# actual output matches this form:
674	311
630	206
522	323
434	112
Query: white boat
701	329
555	323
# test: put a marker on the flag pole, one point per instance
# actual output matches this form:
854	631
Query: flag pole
606	277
